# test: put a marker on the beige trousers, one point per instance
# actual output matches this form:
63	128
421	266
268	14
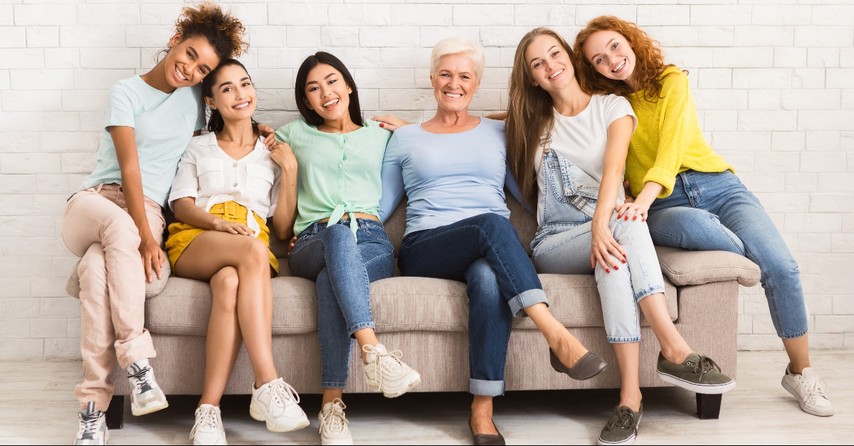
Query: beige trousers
98	228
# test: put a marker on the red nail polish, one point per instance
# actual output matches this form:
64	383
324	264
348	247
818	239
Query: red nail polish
624	260
607	270
382	125
634	218
616	267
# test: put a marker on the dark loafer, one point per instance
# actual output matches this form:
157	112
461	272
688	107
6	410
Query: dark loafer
587	367
486	438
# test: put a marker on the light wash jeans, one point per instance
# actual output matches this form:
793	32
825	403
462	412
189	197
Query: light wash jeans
563	242
343	267
714	211
485	252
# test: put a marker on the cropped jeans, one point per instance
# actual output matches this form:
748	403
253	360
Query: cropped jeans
343	267
714	211
563	243
485	252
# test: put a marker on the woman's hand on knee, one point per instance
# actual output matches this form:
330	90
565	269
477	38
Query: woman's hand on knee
232	227
605	250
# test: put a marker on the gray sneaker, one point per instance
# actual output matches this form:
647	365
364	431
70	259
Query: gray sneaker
92	429
622	428
697	373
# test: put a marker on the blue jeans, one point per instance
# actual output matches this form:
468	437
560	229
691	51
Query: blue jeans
563	242
485	252
343	267
714	211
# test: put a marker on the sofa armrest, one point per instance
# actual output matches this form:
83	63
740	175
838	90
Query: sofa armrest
72	284
700	267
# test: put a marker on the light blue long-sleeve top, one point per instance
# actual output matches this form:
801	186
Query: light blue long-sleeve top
446	177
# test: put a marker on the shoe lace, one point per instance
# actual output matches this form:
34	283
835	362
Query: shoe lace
206	420
334	420
282	392
88	424
815	388
142	378
622	418
390	361
705	365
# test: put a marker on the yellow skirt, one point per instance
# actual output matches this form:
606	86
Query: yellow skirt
182	234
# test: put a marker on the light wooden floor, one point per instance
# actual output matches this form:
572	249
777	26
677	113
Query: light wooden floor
37	406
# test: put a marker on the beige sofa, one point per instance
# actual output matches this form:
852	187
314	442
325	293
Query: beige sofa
426	319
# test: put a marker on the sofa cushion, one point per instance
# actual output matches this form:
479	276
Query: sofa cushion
398	304
423	304
185	304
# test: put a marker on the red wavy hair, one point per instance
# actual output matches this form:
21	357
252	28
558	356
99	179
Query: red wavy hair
648	67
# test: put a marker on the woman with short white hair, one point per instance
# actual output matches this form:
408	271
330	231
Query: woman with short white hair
453	171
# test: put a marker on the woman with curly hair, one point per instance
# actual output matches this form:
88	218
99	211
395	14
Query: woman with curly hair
692	195
568	148
115	222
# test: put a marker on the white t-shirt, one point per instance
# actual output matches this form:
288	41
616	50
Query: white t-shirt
581	139
209	175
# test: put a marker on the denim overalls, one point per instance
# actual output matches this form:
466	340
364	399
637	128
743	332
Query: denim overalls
563	242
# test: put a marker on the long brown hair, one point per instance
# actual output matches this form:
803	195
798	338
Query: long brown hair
529	115
648	66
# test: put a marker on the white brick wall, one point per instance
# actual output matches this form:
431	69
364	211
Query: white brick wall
773	82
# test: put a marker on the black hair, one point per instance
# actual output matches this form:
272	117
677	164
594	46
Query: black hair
216	123
321	57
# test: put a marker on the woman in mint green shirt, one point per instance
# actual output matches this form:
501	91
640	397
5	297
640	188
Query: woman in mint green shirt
341	243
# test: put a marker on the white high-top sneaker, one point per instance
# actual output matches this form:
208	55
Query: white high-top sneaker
334	427
387	373
208	428
277	404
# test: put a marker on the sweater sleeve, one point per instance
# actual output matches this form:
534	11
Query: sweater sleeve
392	179
673	118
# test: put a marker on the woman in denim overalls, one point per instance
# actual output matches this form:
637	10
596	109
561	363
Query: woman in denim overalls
568	149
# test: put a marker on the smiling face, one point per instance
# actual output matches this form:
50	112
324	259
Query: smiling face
549	63
189	61
454	82
233	94
610	55
327	93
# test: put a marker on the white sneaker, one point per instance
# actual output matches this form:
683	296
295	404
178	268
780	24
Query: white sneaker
276	403
145	395
809	389
208	428
334	427
387	373
92	428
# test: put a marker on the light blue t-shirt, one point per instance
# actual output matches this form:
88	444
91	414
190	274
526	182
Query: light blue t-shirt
163	125
446	177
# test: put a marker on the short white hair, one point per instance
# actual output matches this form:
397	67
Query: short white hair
458	45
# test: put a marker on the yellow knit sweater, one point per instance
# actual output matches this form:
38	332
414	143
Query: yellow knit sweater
668	139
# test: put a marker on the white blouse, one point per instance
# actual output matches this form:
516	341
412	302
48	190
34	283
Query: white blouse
209	175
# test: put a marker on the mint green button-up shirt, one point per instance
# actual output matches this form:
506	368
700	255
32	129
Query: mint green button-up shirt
338	173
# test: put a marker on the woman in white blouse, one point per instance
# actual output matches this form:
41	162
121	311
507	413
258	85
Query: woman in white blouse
228	184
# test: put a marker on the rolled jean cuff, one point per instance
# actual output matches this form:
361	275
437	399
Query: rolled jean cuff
655	289
526	299
797	335
623	340
361	326
332	385
480	387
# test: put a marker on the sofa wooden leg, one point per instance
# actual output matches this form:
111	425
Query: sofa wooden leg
708	406
116	412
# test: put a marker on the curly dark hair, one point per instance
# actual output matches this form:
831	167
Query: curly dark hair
223	30
649	60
